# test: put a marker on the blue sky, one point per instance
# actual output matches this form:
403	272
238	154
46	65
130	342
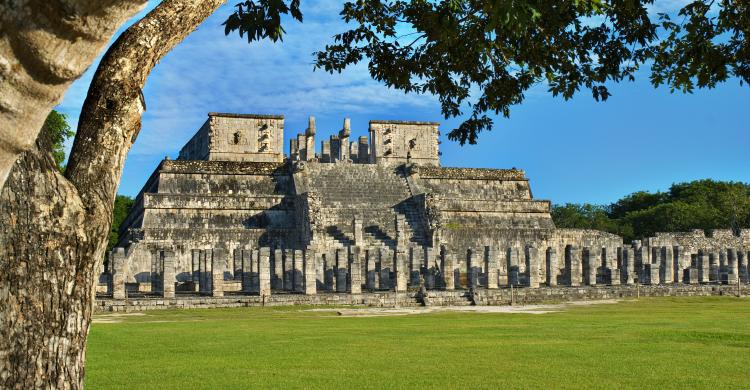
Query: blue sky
576	151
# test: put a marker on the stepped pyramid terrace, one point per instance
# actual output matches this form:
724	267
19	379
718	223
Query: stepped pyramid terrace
234	215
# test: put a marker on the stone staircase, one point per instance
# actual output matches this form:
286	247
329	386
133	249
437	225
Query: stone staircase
374	193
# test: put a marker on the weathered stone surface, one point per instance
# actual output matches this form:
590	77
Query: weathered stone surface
357	216
355	271
441	298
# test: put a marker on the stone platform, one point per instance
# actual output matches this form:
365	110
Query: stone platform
495	297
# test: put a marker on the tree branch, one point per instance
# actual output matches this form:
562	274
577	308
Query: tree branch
111	115
45	45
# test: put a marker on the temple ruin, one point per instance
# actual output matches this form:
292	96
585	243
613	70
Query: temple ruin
234	215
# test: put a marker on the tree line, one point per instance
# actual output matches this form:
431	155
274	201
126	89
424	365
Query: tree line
700	204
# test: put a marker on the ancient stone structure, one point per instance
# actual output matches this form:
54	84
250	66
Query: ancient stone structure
234	216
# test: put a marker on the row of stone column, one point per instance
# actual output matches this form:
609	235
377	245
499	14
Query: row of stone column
349	269
673	264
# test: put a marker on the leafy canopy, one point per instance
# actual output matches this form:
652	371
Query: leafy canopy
56	130
486	54
702	204
261	19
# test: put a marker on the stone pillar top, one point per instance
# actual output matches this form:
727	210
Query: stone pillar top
347	130
310	126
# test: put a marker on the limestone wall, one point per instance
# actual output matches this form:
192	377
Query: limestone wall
502	297
399	142
237	137
697	240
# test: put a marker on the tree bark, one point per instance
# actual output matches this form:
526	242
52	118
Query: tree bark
54	229
44	46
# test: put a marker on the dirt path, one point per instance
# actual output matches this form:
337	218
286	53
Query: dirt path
527	309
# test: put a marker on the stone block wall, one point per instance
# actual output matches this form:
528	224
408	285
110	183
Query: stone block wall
400	142
237	137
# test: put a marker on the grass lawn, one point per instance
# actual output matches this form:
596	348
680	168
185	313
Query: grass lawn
650	343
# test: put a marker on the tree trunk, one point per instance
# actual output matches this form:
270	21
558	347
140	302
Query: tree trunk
46	277
44	46
54	229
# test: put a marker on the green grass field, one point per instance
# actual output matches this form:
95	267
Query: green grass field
651	343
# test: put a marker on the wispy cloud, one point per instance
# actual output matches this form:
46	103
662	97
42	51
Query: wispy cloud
213	72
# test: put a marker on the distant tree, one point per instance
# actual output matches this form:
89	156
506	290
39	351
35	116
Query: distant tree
485	55
587	216
123	205
57	130
701	204
635	201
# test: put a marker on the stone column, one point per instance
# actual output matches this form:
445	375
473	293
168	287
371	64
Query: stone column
732	266
401	238
154	276
641	260
246	257
329	263
714	267
168	274
264	271
693	275
628	265
255	269
237	264
532	266
297	277
654	269
552	267
704	263
430	268
490	264
277	281
371	269
471	268
294	149
594	262
723	265
574	263
218	260
679	261
341	269
119	276
503	277
363	154
667	274
415	257
386	267
310	139
288	262
446	257
196	269
513	267
325	151
358	231
344	139
742	265
205	271
355	270
400	270
311	273
652	266
613	267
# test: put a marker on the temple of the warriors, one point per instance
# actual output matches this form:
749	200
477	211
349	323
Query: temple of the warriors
235	215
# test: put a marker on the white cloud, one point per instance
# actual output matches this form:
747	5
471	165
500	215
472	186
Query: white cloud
213	72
